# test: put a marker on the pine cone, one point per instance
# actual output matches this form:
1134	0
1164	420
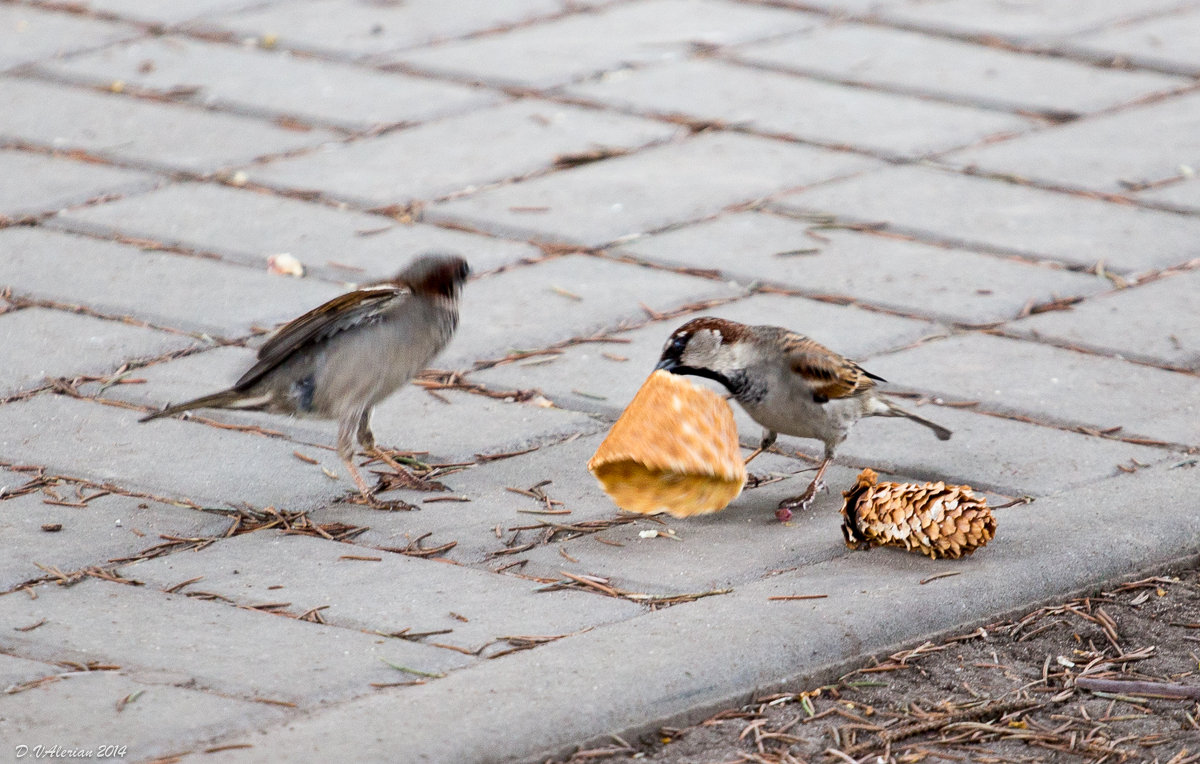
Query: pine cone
674	449
935	519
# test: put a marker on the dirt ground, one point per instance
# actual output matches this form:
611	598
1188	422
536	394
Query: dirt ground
1114	677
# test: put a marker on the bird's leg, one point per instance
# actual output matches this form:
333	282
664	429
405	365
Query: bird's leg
366	439
363	488
801	502
768	440
345	449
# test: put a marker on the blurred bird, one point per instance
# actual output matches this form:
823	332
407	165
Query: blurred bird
341	359
786	382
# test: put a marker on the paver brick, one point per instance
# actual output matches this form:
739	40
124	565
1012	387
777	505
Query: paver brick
53	182
842	9
583	377
1155	322
966	72
103	443
489	145
938	282
608	201
987	213
1054	384
537	305
155	12
105	528
15	671
357	28
41	343
166	289
986	452
1097	154
139	629
621	35
248	227
31	34
809	110
1167	42
419	595
139	132
1040	21
83	712
272	82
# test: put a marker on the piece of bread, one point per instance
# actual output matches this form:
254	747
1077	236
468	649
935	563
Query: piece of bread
674	449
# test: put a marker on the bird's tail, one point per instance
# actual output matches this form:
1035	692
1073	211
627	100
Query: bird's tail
221	400
893	410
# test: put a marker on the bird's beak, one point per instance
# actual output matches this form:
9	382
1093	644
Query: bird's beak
667	364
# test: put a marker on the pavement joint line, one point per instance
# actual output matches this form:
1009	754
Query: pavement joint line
768	287
82	11
25	68
942	164
1048	118
1093	350
76	154
952	242
608	332
1015	43
1108	197
32	301
106	232
1067	425
206	30
697	124
1130	62
292	121
880	229
45	479
332	198
152	165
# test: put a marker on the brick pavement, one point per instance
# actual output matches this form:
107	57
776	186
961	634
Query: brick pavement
994	205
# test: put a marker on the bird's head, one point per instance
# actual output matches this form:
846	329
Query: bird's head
435	274
706	347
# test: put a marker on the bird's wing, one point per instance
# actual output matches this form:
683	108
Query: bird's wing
319	324
827	373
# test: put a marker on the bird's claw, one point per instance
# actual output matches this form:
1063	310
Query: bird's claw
401	477
374	502
798	503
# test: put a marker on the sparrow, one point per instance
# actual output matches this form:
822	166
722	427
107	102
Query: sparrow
339	360
786	382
